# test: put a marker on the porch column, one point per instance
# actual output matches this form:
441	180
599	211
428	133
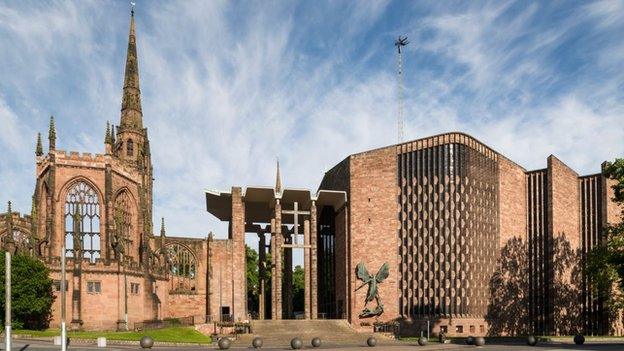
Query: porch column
313	263
278	239
306	267
239	280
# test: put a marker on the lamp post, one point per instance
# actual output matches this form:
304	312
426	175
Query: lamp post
7	312
63	292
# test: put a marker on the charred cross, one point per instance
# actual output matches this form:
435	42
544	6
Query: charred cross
296	213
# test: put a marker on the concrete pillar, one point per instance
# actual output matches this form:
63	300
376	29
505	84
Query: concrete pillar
237	234
272	251
278	239
313	263
261	273
306	263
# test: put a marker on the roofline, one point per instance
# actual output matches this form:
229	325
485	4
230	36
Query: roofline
430	137
216	192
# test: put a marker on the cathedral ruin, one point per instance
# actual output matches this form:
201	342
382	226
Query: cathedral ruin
427	226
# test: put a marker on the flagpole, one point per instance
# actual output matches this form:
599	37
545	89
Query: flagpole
63	289
7	312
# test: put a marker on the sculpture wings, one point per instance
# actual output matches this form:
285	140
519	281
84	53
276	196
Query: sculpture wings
373	291
362	273
383	273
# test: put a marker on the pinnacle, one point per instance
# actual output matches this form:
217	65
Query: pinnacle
52	134
39	148
107	137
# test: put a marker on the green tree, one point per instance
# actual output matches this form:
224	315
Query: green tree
298	288
605	263
253	278
31	292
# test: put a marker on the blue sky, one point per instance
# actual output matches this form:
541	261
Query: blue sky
229	86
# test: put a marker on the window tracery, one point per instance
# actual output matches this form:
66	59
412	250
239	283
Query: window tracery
21	240
82	222
182	267
124	241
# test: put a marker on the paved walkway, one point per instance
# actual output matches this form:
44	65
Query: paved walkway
25	345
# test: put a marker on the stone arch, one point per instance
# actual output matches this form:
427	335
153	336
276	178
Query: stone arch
21	238
82	218
126	236
130	147
182	266
70	183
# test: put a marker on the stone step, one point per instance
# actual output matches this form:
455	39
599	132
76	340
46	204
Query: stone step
331	332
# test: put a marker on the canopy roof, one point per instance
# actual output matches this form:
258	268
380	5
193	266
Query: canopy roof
260	202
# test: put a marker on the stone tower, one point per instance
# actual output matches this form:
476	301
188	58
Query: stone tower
100	207
132	144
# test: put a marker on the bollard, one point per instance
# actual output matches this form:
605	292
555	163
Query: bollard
296	344
531	340
316	342
371	342
101	341
479	341
257	343
146	342
422	341
224	343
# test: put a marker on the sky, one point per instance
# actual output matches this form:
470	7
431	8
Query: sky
229	86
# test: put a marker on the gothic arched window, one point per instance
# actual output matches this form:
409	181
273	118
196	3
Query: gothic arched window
82	222
20	239
130	147
44	212
124	238
182	266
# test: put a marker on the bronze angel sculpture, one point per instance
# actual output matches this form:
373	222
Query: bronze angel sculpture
373	291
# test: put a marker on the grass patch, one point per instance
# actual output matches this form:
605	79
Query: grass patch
174	334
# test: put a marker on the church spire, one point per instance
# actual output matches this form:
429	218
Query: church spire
131	112
278	180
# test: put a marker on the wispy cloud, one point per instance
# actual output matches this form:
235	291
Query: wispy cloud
227	88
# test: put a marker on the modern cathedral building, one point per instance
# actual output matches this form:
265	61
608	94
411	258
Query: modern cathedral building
441	232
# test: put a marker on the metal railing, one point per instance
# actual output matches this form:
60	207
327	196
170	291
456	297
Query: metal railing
223	318
387	328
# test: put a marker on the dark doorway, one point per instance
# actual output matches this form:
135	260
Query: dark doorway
327	307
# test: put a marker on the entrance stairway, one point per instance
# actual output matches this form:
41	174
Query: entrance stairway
331	331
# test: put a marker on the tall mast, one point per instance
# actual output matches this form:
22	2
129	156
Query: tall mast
400	42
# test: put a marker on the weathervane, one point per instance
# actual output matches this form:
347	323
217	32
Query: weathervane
401	41
132	4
